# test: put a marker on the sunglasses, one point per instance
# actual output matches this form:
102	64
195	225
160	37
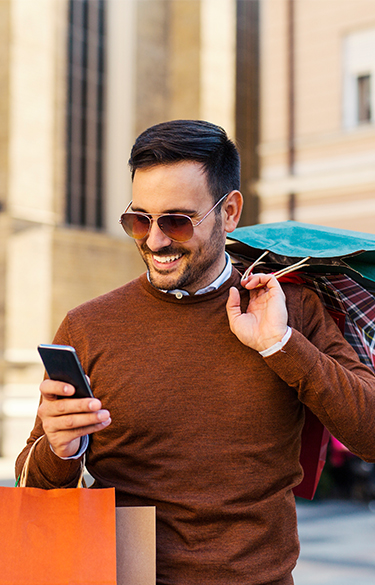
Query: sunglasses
176	226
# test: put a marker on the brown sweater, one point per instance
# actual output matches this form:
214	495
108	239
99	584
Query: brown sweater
206	429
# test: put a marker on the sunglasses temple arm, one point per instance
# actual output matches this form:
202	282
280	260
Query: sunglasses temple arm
212	208
120	220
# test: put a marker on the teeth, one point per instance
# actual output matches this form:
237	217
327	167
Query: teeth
166	259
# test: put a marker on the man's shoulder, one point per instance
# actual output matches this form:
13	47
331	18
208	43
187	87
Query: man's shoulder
299	293
303	304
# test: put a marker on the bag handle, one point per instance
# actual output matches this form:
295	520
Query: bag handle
21	482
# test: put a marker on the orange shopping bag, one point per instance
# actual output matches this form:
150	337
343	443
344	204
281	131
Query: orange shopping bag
58	536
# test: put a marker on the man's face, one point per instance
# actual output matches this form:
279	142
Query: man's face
179	188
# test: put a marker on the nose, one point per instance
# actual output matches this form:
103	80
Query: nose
156	239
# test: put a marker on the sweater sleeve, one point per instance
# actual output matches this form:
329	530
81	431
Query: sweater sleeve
46	469
329	378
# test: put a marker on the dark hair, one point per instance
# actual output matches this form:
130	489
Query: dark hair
190	140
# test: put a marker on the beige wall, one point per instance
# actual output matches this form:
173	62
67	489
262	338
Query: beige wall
334	178
48	268
4	96
164	60
218	63
34	53
183	53
34	146
4	135
120	107
86	265
186	61
273	76
4	231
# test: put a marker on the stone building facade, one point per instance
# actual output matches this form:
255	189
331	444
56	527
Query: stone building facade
292	81
79	79
317	147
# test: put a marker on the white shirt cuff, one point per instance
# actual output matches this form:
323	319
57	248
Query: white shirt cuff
81	451
277	346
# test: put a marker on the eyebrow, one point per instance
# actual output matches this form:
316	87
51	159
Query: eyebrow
166	212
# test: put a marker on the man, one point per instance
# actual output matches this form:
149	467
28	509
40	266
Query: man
200	379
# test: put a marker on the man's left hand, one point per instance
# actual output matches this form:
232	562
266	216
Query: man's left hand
265	321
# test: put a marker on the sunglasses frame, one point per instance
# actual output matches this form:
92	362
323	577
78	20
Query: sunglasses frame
155	217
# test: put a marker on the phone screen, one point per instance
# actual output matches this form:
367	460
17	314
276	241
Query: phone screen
61	363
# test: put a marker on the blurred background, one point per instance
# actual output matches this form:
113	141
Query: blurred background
292	82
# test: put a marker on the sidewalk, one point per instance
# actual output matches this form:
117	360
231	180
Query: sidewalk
337	543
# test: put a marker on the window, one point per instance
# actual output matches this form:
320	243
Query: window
359	76
85	113
364	98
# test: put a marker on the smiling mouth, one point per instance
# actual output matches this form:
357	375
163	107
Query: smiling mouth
167	259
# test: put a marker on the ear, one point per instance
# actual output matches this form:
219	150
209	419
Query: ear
231	210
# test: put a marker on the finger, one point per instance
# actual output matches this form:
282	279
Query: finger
76	405
64	438
50	389
246	275
260	280
59	408
64	443
233	304
76	422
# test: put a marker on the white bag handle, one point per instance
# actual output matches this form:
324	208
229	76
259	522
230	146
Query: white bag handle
25	469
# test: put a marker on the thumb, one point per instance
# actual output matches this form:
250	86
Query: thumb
233	304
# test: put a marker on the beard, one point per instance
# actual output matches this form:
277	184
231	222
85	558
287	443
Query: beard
196	264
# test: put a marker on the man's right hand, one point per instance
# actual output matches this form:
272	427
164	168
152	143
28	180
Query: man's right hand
65	421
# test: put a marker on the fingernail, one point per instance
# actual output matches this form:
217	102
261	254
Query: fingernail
103	415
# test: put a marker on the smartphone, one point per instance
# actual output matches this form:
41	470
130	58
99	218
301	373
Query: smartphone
61	363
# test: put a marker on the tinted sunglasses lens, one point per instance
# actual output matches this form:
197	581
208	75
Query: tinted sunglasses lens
135	225
176	227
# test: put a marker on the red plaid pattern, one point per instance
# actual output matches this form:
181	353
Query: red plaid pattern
341	293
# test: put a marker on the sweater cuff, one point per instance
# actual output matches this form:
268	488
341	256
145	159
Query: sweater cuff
47	470
296	360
